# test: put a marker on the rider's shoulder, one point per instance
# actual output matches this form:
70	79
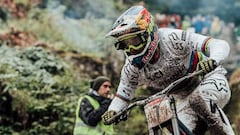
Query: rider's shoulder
169	31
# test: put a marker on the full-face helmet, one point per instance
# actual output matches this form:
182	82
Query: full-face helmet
136	35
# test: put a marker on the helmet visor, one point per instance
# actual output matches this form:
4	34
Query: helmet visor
132	44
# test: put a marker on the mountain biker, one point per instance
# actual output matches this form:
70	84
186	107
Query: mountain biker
157	57
91	107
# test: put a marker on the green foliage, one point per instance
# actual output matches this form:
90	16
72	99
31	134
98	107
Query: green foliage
24	2
33	67
41	27
40	91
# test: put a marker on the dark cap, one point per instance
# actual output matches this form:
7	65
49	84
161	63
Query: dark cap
97	82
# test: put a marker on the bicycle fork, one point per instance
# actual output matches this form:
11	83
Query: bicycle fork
174	118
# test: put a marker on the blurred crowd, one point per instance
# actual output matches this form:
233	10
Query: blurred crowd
209	25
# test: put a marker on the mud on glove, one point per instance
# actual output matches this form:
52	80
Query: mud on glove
107	116
206	66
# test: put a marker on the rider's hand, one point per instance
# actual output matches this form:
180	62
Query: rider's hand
107	116
206	66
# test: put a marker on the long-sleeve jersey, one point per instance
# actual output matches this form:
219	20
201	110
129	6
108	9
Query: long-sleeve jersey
180	51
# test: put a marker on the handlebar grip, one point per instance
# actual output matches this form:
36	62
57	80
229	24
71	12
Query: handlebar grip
117	118
120	116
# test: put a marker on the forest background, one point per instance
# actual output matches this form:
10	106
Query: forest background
50	49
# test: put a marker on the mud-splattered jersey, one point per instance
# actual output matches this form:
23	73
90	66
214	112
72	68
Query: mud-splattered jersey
180	52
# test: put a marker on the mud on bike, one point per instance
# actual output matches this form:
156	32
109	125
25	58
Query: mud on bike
160	110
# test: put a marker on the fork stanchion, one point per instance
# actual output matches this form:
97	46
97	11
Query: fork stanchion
174	119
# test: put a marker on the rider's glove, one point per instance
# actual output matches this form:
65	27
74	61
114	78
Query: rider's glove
206	66
106	117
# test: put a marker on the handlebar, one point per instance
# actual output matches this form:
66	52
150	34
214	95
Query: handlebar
122	115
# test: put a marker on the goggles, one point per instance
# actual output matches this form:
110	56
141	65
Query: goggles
133	43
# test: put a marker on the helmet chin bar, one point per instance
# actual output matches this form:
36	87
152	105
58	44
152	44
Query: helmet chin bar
155	56
144	59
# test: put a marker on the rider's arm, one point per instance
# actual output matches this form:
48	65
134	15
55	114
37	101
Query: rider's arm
213	48
126	89
216	49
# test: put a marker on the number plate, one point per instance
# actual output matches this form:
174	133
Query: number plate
158	111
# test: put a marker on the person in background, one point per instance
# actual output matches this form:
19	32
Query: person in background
159	56
91	107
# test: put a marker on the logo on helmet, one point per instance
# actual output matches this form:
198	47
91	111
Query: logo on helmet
151	49
143	19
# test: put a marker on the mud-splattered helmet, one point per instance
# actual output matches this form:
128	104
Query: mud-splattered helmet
136	34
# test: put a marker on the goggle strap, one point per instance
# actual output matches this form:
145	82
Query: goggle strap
127	37
135	33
